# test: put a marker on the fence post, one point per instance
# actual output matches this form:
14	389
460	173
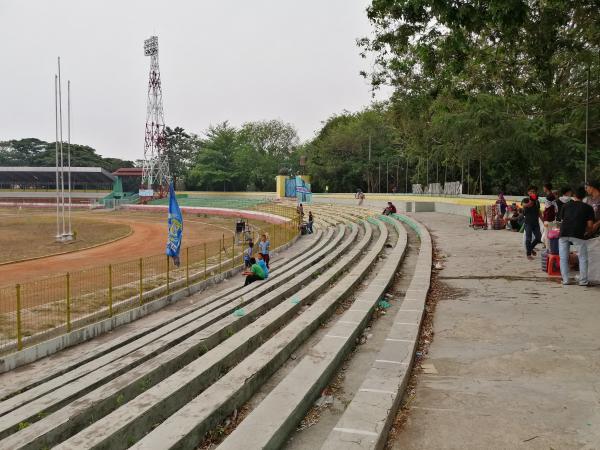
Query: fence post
19	325
68	302
110	293
205	262
233	252
187	267
141	264
168	274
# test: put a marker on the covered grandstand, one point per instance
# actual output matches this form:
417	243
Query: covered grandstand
38	184
44	178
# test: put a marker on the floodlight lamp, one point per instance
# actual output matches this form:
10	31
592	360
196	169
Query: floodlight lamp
151	46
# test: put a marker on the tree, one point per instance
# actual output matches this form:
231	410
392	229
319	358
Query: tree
180	148
37	153
498	82
265	147
213	166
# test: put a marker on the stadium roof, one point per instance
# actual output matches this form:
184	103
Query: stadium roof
91	175
129	172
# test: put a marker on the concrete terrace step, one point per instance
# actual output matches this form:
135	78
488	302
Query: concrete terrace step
188	426
367	419
138	416
131	341
192	339
277	416
47	368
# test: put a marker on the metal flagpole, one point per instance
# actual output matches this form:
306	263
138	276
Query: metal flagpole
70	234
56	153
62	165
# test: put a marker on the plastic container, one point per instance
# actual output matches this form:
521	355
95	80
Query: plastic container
544	258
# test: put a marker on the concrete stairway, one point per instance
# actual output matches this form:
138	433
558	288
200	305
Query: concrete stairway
165	385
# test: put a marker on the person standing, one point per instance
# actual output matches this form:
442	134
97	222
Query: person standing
565	197
361	197
578	220
592	188
264	245
300	211
501	202
531	211
309	225
248	254
550	210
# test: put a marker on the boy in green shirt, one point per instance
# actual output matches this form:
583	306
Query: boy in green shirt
256	273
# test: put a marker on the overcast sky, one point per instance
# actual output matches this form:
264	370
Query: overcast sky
235	60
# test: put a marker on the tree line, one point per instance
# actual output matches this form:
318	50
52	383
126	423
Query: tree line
32	152
495	94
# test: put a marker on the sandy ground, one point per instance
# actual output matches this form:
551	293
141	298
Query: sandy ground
517	355
148	238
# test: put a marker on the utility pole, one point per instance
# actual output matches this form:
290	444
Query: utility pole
62	163
462	174
70	233
406	176
587	125
480	177
468	178
387	177
369	184
398	176
57	237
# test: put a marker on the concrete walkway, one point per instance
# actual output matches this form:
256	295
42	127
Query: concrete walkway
517	355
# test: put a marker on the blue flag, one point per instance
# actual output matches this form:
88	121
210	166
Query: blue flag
175	225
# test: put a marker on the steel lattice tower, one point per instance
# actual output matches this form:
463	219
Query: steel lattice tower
156	165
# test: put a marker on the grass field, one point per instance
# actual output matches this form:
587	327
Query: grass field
31	236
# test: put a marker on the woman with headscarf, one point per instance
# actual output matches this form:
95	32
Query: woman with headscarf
501	202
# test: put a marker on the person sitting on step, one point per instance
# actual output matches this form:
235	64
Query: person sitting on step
255	273
260	260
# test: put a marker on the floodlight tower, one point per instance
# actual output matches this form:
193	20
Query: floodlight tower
155	175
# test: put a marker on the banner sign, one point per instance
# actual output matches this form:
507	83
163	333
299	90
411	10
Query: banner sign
302	190
175	225
146	193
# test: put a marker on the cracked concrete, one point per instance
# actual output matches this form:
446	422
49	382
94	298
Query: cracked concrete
517	355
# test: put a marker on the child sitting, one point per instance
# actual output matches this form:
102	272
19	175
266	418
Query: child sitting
261	262
254	274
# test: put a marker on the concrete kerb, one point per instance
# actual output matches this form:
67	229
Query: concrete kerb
87	332
296	393
167	397
367	419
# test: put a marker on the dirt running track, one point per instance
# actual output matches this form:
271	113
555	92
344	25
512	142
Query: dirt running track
148	238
